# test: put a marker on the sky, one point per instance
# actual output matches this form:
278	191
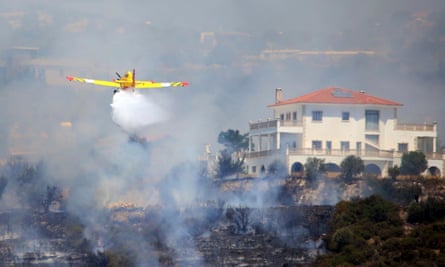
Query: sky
82	131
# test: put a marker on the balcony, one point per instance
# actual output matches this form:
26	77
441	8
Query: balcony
263	124
261	154
274	124
337	153
340	153
415	127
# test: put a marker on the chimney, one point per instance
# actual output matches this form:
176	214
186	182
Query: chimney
278	95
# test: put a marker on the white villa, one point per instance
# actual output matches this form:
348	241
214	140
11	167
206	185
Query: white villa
333	123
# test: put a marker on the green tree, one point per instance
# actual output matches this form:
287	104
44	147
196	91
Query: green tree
233	141
413	163
314	167
342	237
352	166
431	210
277	169
394	171
227	165
355	227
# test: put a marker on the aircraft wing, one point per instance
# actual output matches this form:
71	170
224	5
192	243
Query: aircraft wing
91	81
151	84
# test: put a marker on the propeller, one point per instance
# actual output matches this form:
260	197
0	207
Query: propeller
134	78
118	75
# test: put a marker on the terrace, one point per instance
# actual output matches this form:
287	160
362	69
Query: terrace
337	153
274	124
277	123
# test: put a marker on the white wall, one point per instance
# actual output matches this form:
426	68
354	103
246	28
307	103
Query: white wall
333	129
277	111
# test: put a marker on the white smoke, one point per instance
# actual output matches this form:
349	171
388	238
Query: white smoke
133	111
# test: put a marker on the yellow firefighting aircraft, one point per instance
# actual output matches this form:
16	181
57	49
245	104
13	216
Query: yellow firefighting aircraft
127	82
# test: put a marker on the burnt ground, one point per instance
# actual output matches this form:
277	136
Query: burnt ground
205	234
276	236
283	236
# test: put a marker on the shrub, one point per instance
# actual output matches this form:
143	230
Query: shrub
351	166
430	210
413	163
314	167
342	237
277	169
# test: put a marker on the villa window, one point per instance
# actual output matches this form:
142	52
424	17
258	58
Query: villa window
372	120
425	144
328	146
316	145
317	115
402	147
294	116
358	147
253	169
372	138
344	145
282	117
345	116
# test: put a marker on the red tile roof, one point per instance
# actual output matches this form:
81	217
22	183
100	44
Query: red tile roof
335	95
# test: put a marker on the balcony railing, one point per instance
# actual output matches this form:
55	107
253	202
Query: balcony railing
274	123
338	153
263	124
415	127
428	156
264	153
